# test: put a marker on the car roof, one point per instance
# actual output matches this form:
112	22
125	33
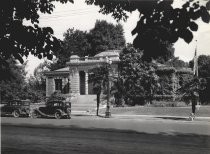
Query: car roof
55	101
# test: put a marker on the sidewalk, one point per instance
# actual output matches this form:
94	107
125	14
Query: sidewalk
166	117
147	117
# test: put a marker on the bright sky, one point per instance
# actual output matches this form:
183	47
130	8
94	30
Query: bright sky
83	17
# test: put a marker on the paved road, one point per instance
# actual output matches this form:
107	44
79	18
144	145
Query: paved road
30	140
119	136
145	124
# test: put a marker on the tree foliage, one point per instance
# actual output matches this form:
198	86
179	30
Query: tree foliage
57	96
18	39
160	24
36	84
139	78
106	36
203	72
177	63
203	66
75	43
13	85
99	78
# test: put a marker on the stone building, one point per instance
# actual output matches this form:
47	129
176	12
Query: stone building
170	80
74	77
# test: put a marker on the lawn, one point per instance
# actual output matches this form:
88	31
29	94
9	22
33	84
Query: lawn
204	111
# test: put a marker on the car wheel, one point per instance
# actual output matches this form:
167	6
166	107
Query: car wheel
34	114
58	115
16	114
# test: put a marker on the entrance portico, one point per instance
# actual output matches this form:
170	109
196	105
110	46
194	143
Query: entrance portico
75	77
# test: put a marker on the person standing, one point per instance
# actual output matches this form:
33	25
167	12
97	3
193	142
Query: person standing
194	101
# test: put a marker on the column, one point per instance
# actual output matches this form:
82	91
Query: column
47	85
64	84
86	82
174	85
74	81
50	86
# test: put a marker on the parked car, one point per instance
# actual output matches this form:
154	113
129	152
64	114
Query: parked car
16	108
54	109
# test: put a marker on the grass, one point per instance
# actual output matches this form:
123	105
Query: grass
204	111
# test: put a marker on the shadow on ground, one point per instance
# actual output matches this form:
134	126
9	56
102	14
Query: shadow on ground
174	118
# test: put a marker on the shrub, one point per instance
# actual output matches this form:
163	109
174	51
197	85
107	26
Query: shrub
57	95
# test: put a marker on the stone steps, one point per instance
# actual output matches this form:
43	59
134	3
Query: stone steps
83	103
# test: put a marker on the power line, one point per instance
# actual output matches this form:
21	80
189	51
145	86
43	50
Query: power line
73	10
63	13
66	16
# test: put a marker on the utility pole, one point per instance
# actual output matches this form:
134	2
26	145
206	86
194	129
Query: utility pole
108	112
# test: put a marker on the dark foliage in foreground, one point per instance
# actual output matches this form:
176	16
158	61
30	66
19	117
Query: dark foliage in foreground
160	24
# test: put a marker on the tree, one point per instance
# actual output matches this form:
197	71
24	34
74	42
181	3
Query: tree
106	36
103	36
39	72
14	86
17	39
75	43
36	85
160	25
203	65
139	78
99	76
203	72
177	63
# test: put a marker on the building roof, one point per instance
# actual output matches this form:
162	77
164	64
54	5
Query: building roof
108	53
62	69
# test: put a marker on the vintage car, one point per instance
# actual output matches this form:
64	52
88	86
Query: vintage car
53	109
16	108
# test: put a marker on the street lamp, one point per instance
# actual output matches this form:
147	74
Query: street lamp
108	113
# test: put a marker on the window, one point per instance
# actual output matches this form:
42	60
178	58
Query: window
58	84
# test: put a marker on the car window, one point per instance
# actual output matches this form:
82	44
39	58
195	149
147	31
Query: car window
49	104
13	103
19	103
67	104
58	104
25	103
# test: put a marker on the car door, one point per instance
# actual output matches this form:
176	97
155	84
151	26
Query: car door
4	109
50	108
11	107
54	107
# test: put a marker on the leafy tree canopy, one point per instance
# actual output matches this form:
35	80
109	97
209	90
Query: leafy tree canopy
139	78
160	25
177	63
106	36
203	66
17	39
75	43
12	86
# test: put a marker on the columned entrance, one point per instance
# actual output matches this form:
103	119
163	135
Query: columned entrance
74	79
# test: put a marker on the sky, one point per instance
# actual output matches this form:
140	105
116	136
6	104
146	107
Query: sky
83	17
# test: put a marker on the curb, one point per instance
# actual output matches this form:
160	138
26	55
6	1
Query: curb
155	116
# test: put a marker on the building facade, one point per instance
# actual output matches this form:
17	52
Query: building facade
74	78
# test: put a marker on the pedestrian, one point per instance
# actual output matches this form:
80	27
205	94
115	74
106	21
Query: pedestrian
194	101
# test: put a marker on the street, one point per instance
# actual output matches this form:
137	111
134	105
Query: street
39	139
